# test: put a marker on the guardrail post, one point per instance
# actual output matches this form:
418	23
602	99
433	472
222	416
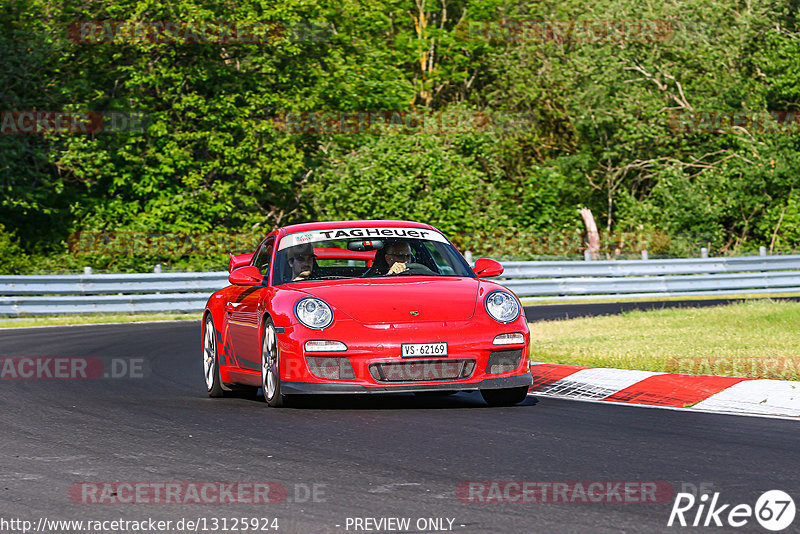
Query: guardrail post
87	270
704	253
468	256
644	254
157	268
762	251
587	255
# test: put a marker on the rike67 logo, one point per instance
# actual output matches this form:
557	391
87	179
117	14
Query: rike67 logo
774	510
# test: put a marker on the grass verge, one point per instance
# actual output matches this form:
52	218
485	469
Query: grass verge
95	319
754	339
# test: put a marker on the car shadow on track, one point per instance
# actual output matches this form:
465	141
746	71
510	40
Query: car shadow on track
389	401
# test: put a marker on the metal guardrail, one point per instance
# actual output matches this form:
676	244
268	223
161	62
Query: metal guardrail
532	281
108	293
583	280
99	284
562	269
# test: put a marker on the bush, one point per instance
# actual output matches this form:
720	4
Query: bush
12	258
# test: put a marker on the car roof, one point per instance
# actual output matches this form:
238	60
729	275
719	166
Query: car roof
322	225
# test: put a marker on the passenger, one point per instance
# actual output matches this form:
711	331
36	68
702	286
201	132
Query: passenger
301	261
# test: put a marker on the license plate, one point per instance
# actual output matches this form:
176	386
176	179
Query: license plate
410	350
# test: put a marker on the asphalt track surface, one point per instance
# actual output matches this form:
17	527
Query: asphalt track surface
391	456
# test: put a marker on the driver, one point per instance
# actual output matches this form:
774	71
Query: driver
301	261
398	255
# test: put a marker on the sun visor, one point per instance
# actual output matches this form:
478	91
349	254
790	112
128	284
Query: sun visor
364	234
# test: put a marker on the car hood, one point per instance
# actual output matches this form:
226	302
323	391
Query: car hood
400	300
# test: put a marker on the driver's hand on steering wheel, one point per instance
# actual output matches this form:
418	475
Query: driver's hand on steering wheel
397	268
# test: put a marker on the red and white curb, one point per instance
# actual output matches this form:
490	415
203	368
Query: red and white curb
693	392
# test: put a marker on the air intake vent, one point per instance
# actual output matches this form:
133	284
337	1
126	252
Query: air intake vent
503	361
422	370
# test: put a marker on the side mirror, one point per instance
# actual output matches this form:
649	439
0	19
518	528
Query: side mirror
486	268
246	276
239	260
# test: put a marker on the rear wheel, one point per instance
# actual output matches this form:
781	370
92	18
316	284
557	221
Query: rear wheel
504	397
270	367
211	360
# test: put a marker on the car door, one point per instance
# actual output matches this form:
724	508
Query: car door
242	312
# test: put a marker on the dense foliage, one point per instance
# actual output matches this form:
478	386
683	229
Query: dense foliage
512	116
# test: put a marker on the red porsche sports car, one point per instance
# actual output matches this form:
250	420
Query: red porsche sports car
364	307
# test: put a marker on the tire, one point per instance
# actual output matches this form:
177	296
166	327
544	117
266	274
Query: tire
214	384
504	397
270	367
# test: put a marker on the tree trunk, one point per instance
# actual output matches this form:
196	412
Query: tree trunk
593	236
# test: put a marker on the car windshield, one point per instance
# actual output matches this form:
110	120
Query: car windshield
366	253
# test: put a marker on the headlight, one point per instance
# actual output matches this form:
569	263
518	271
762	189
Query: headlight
501	306
313	313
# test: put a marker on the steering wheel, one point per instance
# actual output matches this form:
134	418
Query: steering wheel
416	268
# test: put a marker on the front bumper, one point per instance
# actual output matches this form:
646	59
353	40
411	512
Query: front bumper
313	388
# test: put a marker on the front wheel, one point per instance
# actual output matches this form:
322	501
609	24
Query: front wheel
504	397
270	367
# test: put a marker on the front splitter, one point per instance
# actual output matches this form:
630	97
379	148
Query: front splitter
313	388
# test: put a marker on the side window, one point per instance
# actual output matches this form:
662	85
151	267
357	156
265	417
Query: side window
442	265
263	257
